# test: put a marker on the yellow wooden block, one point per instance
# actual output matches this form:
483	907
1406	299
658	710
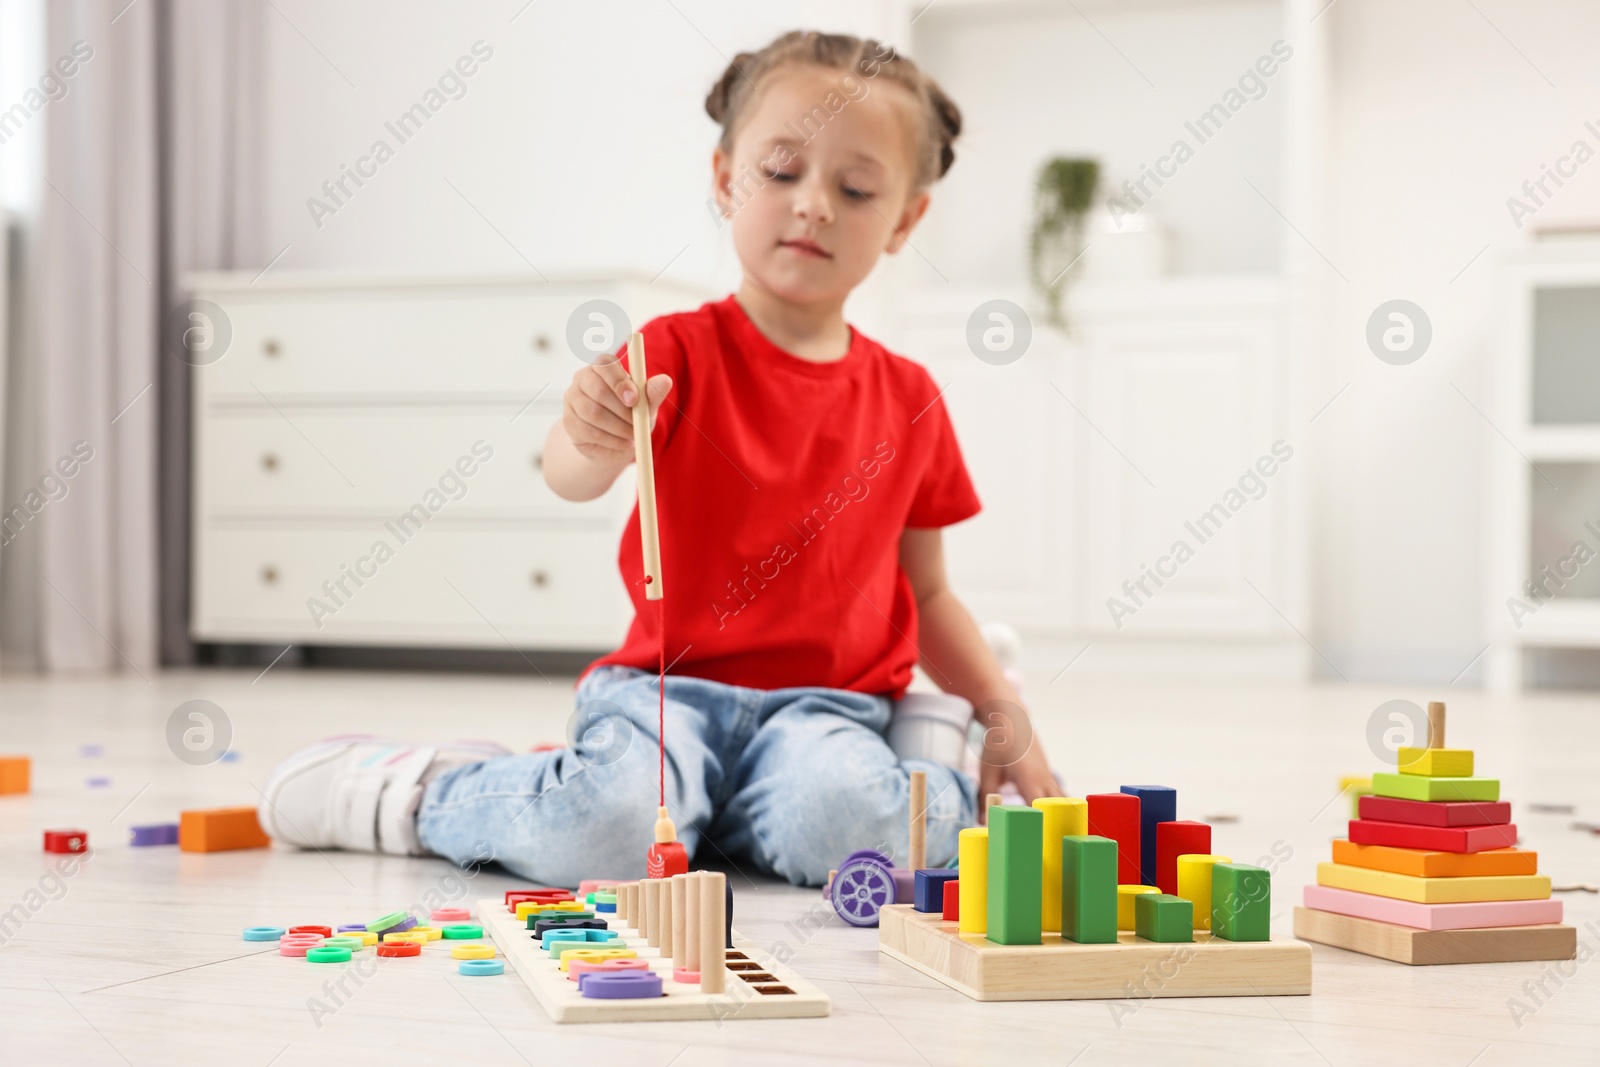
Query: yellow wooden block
595	955
1469	889
528	907
1194	884
972	857
1063	816
1126	895
1436	762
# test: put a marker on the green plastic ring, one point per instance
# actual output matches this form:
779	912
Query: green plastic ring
327	954
351	943
394	918
462	931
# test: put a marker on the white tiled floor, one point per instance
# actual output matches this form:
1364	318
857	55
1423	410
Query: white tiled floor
137	958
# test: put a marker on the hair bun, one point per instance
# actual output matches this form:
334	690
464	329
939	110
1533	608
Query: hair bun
949	120
719	98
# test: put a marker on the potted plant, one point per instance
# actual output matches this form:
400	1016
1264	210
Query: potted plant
1062	197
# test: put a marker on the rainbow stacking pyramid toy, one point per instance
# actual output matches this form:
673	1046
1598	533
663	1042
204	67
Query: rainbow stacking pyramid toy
1431	873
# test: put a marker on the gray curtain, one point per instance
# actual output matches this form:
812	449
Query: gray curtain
150	171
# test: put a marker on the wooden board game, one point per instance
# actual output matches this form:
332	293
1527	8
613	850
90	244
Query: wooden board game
1059	969
1405	944
757	986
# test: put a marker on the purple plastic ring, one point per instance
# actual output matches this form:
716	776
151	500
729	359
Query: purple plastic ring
623	985
347	927
407	923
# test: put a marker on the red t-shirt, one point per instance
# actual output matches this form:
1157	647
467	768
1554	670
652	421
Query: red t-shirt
782	489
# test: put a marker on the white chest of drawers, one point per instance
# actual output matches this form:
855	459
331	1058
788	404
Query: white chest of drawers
367	464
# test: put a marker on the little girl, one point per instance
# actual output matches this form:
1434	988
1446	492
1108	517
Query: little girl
804	473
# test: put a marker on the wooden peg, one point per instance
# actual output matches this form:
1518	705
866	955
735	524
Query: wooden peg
692	925
668	919
919	820
990	801
644	462
1436	724
713	916
678	884
648	913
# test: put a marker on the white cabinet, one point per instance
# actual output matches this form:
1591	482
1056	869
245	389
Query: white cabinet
1099	451
367	464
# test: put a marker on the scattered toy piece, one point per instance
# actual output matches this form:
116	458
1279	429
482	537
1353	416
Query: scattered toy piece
480	968
151	834
220	830
1576	887
15	772
263	933
66	841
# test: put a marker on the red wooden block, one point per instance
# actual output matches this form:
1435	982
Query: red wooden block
66	841
1437	812
664	860
1434	838
952	900
1174	839
552	895
1116	815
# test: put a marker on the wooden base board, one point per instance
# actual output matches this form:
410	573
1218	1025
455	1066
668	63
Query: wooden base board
1058	969
757	986
1405	944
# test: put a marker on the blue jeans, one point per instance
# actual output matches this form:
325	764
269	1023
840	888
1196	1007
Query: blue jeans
789	781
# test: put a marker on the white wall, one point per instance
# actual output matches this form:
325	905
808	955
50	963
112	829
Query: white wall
1436	120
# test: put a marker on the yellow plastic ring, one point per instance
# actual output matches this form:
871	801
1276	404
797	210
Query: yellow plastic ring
433	932
472	952
407	935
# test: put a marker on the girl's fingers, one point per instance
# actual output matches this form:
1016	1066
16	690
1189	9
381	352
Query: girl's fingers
599	405
618	381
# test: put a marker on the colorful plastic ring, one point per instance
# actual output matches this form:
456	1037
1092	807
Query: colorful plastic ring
400	948
351	943
366	937
296	948
301	939
406	935
450	915
682	974
460	931
578	968
431	932
472	952
628	985
348	928
327	954
325	931
263	933
481	967
394	918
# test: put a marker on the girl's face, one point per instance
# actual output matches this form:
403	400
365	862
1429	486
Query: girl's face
819	181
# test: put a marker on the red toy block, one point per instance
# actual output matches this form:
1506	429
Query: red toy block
666	859
66	841
1178	838
1116	815
15	772
1432	838
220	830
952	901
548	895
1436	812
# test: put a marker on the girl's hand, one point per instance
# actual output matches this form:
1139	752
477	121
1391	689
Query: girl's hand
999	762
597	411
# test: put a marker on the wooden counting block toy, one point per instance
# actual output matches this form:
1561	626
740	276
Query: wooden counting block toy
1424	787
1194	883
928	894
972	854
1063	817
1016	873
220	830
1174	839
1157	804
1116	815
1163	917
1089	890
1435	838
15	772
1126	894
1241	902
952	901
1435	762
1430	864
1436	812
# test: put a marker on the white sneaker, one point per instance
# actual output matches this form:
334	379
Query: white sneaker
358	792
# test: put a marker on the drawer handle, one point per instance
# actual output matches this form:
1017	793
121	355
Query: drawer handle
541	342
271	348
269	575
538	461
541	579
269	461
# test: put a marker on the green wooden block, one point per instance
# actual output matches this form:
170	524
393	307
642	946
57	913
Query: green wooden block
1422	787
1016	875
1241	902
1089	889
1163	917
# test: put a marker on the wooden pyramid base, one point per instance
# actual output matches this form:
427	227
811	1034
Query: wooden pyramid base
1405	944
1059	969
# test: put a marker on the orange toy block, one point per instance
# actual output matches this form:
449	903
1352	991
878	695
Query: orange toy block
14	774
220	830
